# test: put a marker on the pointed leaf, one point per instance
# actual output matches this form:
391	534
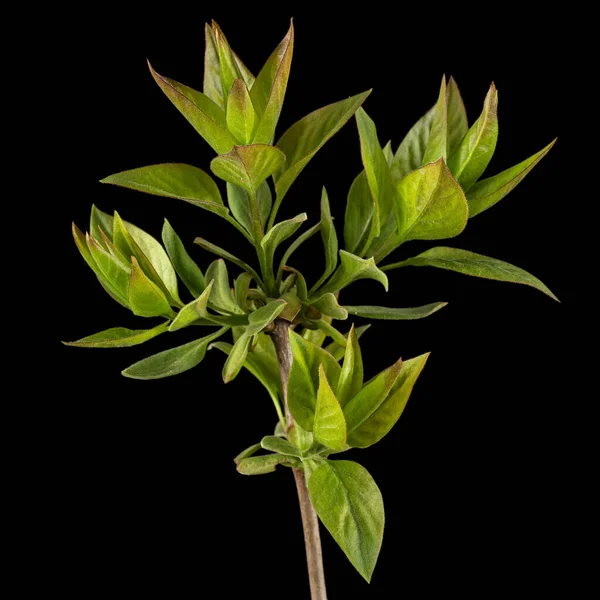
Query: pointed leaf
388	413
201	112
259	465
470	263
227	256
279	233
237	356
487	192
100	222
477	147
352	374
278	445
304	378
119	337
212	69
458	126
360	211
266	314
350	506
186	316
145	297
229	66
241	117
329	237
173	361
221	297
337	351
330	425
437	145
111	270
328	305
395	314
388	153
239	203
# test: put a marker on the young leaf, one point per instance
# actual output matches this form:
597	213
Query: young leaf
221	297
395	314
266	314
411	151
237	356
268	91
337	351
433	205
173	361
329	237
477	147
352	374
251	450
360	211
369	399
330	425
279	233
259	465
239	203
305	137
241	116
301	289
458	126
201	112
186	316
388	153
304	378
328	305
186	268
241	286
212	69
276	444
437	145
119	337
173	180
145	297
487	192
352	269
350	506
100	222
227	256
469	263
110	269
388	413
248	166
230	70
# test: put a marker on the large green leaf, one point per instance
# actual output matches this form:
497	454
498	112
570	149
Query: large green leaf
279	233
221	297
350	506
433	205
239	203
388	413
369	399
360	211
352	269
395	314
352	374
173	180
411	151
221	253
202	113
469	263
119	337
248	166
212	69
173	361
230	70
477	147
330	425
487	192
437	144
304	378
458	124
305	137
145	298
241	116
268	91
259	465
189	272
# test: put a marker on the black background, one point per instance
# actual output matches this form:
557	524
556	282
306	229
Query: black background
143	494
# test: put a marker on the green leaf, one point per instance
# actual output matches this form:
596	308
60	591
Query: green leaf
111	270
360	210
469	263
433	205
328	305
305	137
145	297
173	180
186	316
388	153
294	246
411	151
186	268
278	445
329	237
229	66
458	125
352	269
330	425
266	314
477	147
173	361
337	351
487	192
352	374
248	166
247	453
304	378
119	337
241	116
437	145
301	288
202	113
221	297
259	465
390	410
237	356
369	399
241	286
239	203
395	314
212	69
279	233
100	222
350	506
268	91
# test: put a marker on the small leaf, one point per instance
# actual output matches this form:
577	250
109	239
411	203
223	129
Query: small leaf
328	305
411	151
329	237
437	145
221	297
248	166
237	356
369	399
458	126
360	210
210	247
202	113
173	361
278	445
330	425
487	192
241	117
186	268
239	203
279	233
266	314
259	465
304	377
388	153
251	450
173	180
268	91
352	374
352	269
241	286
145	297
395	314
390	410
100	222
469	263
212	69
301	289
350	506
119	337
477	147
337	351
186	316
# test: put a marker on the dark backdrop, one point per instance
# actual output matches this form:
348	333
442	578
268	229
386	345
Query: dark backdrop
144	495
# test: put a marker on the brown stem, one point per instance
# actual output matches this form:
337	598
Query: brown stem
310	521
